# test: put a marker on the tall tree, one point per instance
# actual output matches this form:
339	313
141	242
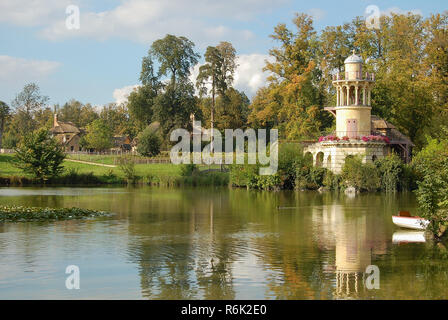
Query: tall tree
4	113
217	72
175	55
436	64
141	100
25	104
293	99
173	108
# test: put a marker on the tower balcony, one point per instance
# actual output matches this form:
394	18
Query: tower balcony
354	76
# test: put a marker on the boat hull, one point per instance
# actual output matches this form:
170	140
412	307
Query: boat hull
410	222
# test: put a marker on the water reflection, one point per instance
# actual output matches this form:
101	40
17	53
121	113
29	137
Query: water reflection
219	244
402	237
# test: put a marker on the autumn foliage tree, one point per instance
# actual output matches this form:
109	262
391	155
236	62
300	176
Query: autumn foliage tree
293	101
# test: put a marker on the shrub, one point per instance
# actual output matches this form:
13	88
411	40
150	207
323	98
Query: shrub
290	157
127	166
40	155
390	170
187	170
361	176
331	181
148	143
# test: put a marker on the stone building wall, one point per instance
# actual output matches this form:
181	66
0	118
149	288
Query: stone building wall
331	155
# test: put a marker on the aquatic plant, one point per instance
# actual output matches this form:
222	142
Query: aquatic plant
20	213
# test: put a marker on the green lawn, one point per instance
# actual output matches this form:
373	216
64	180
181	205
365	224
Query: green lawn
7	169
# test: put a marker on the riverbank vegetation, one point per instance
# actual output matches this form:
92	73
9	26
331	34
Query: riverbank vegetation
19	213
296	171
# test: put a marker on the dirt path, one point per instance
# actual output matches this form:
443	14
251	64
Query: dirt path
92	163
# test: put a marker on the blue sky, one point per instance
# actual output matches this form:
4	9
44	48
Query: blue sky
100	62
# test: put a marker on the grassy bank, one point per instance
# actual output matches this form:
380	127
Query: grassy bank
88	174
18	213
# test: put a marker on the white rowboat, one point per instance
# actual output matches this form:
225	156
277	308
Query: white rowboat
416	223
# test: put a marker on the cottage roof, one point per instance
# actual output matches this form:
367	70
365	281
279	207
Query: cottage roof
392	132
378	123
65	127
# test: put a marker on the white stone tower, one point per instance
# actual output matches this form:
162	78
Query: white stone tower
353	99
353	135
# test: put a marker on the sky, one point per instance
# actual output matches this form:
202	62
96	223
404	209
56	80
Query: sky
100	61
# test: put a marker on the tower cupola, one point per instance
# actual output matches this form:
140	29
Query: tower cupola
353	67
353	98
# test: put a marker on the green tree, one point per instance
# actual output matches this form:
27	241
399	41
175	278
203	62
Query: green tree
140	105
76	112
148	143
173	108
141	100
40	155
431	164
99	135
218	73
293	99
25	104
4	114
175	55
232	110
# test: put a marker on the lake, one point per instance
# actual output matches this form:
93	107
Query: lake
219	243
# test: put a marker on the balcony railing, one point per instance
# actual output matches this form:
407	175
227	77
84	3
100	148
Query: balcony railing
354	76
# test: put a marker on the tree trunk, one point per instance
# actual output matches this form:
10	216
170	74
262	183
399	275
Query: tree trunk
2	123
212	115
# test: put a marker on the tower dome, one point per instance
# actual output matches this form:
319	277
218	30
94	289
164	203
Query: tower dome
353	59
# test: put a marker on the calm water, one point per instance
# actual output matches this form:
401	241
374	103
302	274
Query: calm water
217	244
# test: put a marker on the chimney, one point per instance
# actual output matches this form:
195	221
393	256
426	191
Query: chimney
55	122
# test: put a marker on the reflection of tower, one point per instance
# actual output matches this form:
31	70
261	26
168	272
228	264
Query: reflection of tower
351	242
353	255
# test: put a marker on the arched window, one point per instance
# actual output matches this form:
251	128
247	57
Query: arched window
329	162
319	159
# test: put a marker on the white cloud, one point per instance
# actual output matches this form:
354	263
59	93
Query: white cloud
31	13
13	69
249	75
397	10
121	95
317	13
147	20
203	21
